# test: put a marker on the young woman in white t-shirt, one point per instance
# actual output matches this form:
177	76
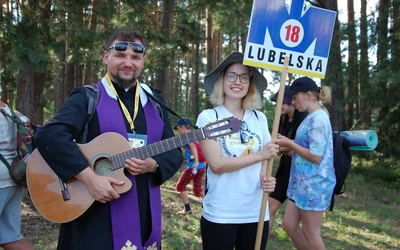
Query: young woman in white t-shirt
237	163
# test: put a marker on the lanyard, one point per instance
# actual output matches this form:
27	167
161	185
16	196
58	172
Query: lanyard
124	109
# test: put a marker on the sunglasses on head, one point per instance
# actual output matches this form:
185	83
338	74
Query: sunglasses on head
122	46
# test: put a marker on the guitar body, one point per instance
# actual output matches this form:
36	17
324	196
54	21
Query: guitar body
45	187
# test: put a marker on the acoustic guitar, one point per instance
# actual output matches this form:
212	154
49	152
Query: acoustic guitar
106	154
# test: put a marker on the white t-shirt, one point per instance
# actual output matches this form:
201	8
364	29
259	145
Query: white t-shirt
235	197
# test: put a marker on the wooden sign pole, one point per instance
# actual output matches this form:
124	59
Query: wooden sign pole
271	161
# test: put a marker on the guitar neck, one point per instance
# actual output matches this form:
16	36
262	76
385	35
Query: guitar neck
118	160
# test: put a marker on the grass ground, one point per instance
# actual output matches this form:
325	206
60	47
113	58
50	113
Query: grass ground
367	216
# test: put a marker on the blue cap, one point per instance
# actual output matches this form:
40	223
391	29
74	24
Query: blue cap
183	121
287	96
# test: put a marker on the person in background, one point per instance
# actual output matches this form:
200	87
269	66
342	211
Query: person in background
312	175
195	167
289	122
114	221
10	193
236	176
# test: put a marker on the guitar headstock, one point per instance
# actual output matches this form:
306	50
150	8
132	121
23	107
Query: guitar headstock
222	127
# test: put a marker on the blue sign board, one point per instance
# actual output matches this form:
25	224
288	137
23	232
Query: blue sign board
278	31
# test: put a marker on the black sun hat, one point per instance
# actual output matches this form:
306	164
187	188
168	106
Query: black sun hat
235	57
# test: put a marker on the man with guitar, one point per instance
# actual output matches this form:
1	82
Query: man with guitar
115	220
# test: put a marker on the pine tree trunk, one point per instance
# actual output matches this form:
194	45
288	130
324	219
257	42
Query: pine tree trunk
364	84
352	75
334	76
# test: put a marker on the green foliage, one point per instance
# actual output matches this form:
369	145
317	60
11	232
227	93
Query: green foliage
385	169
269	111
33	55
282	235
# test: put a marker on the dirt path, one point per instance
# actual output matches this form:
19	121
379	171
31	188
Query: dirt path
35	228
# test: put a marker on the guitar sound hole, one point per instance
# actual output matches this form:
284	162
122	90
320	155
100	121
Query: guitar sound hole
103	167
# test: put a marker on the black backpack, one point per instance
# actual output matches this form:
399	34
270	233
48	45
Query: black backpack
342	163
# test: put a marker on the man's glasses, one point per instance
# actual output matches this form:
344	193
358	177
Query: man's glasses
232	76
244	138
122	46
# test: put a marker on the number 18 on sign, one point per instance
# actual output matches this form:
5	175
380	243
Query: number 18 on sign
278	31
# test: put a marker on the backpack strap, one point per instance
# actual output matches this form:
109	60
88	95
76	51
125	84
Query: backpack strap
5	162
92	93
216	113
255	113
14	117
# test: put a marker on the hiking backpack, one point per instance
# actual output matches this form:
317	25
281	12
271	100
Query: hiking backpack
342	163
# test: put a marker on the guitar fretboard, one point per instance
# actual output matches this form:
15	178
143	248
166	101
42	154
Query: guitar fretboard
118	160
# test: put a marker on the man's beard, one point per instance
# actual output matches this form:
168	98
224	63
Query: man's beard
124	83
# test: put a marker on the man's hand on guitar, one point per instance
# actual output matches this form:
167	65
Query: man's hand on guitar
100	187
136	166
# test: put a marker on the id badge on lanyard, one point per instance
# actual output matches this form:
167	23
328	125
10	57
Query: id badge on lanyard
137	140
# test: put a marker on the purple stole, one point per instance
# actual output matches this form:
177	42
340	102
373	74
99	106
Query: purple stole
125	210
